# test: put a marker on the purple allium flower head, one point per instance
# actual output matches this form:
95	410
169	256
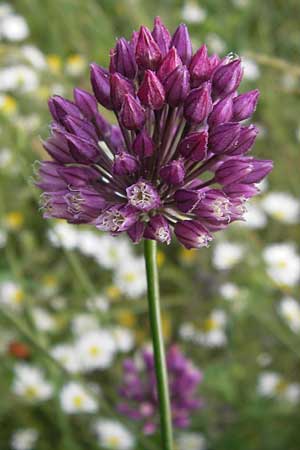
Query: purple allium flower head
175	160
139	394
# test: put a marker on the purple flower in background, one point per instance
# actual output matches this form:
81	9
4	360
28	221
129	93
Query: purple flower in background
170	163
139	392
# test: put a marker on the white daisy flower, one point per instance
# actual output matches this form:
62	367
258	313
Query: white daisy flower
74	398
124	339
254	217
11	295
65	235
213	333
67	356
83	323
282	206
113	435
34	56
19	77
191	441
24	439
289	309
13	27
251	69
193	13
215	43
43	320
130	277
112	252
96	349
271	384
283	263
227	254
30	383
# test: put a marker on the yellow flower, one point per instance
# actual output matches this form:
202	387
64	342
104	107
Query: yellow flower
75	65
8	105
188	256
166	326
126	318
161	257
14	220
54	63
43	92
49	281
113	292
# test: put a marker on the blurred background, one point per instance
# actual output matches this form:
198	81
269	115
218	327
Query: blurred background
233	309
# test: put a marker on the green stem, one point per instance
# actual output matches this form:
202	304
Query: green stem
158	344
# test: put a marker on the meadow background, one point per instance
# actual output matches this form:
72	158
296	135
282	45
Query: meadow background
233	309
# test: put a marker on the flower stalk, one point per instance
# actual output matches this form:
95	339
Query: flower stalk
150	254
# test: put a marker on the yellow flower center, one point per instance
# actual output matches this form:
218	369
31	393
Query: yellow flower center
95	351
210	324
114	441
78	401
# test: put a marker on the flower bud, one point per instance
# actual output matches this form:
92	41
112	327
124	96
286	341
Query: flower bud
82	150
192	234
147	53
199	68
260	169
161	35
122	59
188	199
224	137
100	80
177	86
57	147
244	105
181	40
221	113
169	63
173	172
151	92
119	87
125	164
240	190
227	78
143	145
132	114
78	176
60	107
86	103
81	127
194	146
245	141
158	229
233	170
198	104
136	232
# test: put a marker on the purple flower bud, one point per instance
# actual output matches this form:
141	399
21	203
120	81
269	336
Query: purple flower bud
136	233
116	219
125	164
119	86
227	78
192	234
194	146
132	114
49	178
55	206
173	172
83	150
116	138
260	169
158	229
143	145
169	63
214	61
240	190
233	170
177	86
151	92
147	53
122	59
161	35
143	196
224	137
81	127
86	103
221	113
57	147
200	68
244	105
188	199
60	107
100	80
215	206
198	104
78	176
181	40
245	141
